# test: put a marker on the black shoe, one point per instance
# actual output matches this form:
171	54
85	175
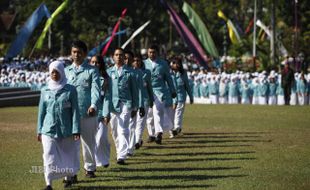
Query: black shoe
48	188
179	130
90	174
137	146
151	139
129	155
120	162
158	138
68	184
106	166
174	133
74	179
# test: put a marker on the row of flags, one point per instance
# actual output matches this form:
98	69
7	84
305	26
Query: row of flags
198	46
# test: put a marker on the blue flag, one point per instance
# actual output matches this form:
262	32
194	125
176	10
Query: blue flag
27	30
98	49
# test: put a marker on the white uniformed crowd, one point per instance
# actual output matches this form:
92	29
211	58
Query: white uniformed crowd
239	87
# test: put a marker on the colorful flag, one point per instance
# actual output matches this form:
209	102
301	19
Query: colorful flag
135	33
201	29
48	23
106	47
280	45
98	49
233	33
27	30
186	34
248	28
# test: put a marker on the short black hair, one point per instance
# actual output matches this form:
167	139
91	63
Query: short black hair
79	44
154	46
118	48
129	52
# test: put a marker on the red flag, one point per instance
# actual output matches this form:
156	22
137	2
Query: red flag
249	26
104	51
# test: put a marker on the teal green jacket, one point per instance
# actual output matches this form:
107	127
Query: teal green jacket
59	115
182	87
139	84
105	99
123	89
301	86
147	91
161	79
86	80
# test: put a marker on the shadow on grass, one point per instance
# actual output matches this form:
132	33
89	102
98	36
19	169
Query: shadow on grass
195	146
187	169
144	187
178	160
215	137
215	141
229	133
193	153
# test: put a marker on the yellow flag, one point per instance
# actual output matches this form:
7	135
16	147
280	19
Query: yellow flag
233	33
48	23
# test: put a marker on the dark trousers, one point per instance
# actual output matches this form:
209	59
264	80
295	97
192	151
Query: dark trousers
287	94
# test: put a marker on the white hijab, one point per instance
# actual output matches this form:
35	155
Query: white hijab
57	85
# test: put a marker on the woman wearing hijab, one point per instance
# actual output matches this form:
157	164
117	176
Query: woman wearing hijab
58	126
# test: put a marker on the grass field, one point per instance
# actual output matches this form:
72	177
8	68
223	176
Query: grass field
222	147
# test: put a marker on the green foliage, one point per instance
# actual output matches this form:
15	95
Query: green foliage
90	20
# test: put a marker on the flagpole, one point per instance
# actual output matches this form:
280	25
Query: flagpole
254	35
273	33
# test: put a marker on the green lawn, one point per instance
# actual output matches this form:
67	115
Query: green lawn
222	147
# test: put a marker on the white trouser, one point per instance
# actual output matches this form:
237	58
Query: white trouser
102	154
302	99
233	99
178	116
140	124
262	100
223	100
213	99
88	139
245	101
150	122
168	119
57	157
293	100
280	100
158	113
272	100
132	134
120	131
255	100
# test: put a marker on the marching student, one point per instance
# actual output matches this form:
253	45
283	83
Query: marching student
255	89
233	91
223	90
213	87
148	99
280	92
272	96
262	90
102	151
86	80
124	102
179	77
58	126
245	91
161	81
302	89
128	60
